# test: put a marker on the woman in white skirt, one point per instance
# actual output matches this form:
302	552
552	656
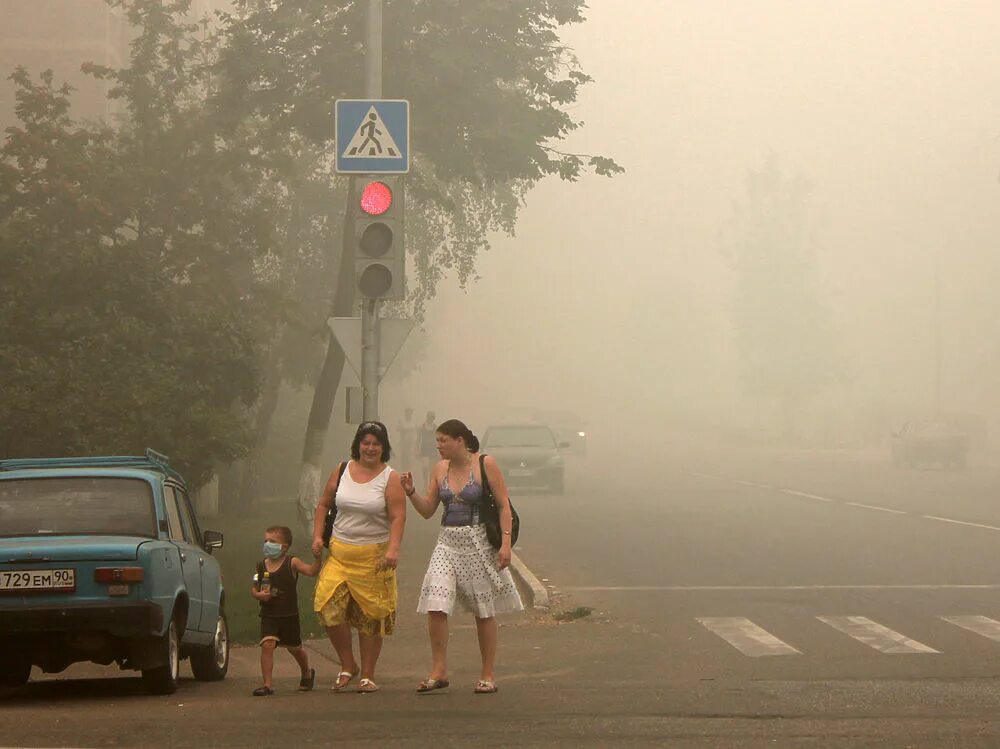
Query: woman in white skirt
464	567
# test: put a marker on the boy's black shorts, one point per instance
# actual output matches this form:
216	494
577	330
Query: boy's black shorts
284	629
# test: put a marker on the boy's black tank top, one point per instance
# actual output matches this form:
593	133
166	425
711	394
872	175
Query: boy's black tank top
284	600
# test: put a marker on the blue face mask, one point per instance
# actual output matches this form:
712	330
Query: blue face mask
272	550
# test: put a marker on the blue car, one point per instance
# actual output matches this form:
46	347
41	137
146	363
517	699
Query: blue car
102	560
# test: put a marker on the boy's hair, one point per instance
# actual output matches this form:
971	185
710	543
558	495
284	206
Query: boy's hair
282	530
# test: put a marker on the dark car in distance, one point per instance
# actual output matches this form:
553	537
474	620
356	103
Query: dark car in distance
919	443
529	456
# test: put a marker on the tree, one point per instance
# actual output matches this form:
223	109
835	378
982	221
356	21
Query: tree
489	85
108	345
783	326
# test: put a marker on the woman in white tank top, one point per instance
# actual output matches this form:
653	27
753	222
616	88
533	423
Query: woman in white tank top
357	585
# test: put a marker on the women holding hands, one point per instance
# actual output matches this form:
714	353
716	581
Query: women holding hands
464	566
357	584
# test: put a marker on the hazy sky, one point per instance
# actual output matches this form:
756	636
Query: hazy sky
890	109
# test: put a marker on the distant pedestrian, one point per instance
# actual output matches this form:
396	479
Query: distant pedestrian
464	566
357	585
274	586
427	445
408	439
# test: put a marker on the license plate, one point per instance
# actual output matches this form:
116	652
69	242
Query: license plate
520	472
16	581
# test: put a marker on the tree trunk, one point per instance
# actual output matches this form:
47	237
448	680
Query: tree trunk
229	490
268	402
310	478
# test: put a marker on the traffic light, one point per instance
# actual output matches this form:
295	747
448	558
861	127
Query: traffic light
380	252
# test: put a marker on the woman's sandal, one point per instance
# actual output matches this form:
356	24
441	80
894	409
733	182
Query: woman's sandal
367	685
429	685
263	692
347	676
485	687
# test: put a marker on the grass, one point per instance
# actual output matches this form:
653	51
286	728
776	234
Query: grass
239	557
573	614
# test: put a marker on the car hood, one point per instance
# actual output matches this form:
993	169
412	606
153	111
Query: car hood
70	548
508	454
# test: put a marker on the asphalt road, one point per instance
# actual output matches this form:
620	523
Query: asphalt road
741	598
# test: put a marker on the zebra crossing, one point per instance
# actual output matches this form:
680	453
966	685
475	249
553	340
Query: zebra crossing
752	640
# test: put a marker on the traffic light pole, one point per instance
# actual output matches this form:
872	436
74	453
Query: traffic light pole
369	307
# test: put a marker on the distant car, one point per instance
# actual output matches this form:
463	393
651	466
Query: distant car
566	425
921	442
529	456
103	560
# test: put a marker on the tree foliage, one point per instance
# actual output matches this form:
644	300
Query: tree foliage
783	326
152	266
126	272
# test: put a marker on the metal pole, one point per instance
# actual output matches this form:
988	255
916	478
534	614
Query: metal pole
369	308
938	352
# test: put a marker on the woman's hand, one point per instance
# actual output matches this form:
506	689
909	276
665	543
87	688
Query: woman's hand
406	479
390	560
504	556
317	547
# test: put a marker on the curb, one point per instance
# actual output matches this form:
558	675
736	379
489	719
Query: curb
539	595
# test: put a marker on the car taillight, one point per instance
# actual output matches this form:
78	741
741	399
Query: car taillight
118	574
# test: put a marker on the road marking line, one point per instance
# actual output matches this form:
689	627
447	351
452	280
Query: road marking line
876	507
981	625
875	636
807	495
776	588
746	636
961	522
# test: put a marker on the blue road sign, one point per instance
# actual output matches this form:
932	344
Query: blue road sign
373	136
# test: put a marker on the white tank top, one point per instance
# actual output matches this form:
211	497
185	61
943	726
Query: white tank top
361	510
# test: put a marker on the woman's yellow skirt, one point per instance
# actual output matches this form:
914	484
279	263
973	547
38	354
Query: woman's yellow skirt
353	589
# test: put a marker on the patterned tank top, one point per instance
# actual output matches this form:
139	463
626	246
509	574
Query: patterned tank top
461	509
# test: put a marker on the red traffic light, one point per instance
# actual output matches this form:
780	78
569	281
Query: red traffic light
376	198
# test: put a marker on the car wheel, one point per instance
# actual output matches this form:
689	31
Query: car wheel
14	671
558	486
163	679
210	663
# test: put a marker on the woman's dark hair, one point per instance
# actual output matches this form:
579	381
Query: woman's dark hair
457	430
377	430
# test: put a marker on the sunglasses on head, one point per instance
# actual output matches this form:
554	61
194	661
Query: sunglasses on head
371	425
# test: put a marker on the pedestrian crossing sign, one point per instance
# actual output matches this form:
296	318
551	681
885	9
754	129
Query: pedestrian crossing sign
373	136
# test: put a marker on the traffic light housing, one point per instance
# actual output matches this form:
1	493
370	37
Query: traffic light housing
380	251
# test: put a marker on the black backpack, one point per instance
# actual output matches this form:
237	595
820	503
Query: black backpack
331	514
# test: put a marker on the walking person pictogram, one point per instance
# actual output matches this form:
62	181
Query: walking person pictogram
372	139
369	130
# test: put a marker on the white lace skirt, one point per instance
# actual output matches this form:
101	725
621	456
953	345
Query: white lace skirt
464	567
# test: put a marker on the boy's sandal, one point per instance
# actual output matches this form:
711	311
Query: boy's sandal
263	692
306	683
367	685
429	685
485	687
343	679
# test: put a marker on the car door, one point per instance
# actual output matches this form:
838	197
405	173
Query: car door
211	575
190	556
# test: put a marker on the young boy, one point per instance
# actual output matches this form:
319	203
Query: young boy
274	586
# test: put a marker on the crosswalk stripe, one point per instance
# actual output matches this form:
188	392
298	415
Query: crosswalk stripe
875	636
981	625
746	636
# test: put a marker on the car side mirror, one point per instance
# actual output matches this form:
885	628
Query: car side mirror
564	445
213	540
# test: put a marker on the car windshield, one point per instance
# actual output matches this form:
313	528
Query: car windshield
78	505
520	437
